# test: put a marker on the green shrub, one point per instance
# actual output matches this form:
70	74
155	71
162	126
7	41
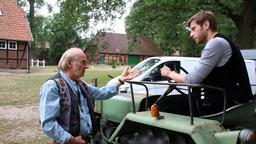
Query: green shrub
113	63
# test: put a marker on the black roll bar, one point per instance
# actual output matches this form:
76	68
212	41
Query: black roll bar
190	86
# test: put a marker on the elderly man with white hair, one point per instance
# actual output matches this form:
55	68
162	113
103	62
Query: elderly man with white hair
66	108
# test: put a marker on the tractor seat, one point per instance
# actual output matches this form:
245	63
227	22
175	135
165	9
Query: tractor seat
240	116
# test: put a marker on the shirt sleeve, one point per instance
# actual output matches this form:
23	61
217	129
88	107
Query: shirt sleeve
49	111
104	92
210	57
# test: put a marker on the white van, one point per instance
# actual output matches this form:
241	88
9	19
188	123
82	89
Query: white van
150	71
251	69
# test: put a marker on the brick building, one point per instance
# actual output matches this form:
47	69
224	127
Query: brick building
15	36
106	47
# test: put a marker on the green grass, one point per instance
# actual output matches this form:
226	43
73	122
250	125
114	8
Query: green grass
23	88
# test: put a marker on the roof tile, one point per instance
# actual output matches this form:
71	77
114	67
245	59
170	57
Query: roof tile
13	23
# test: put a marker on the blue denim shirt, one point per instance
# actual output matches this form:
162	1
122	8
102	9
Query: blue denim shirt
50	107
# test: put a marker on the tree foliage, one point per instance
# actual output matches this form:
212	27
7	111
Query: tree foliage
79	13
165	21
62	37
73	20
41	37
34	22
158	19
65	28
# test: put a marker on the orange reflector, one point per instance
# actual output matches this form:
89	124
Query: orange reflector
154	110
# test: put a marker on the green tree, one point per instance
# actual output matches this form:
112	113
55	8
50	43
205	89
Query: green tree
62	37
42	37
243	14
73	20
165	21
31	14
79	13
34	24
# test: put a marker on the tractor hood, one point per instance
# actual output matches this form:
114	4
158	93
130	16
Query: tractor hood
117	107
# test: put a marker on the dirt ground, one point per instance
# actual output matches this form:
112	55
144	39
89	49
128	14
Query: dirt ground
20	125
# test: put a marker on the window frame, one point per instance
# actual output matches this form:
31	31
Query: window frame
9	44
5	43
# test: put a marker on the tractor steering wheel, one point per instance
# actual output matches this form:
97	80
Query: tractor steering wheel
173	87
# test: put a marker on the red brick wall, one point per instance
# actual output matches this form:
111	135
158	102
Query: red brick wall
15	58
120	59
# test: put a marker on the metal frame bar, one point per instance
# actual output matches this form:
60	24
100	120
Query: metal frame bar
190	86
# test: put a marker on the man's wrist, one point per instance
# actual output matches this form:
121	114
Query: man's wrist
71	140
171	74
121	81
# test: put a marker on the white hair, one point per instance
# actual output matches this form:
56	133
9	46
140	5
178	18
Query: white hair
68	55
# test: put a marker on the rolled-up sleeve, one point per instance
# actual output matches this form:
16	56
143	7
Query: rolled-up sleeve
49	111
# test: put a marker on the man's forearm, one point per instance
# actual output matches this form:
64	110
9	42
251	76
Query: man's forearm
177	77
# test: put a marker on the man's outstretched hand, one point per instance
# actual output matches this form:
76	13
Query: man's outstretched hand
129	74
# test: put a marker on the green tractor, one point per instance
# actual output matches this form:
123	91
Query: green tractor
128	118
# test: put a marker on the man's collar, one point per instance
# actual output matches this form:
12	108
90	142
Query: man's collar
70	81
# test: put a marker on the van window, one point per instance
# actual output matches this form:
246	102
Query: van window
156	72
144	66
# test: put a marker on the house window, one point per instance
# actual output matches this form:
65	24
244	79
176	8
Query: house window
1	13
2	44
12	45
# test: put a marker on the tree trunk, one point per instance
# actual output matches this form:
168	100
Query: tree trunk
32	23
245	37
246	25
32	14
